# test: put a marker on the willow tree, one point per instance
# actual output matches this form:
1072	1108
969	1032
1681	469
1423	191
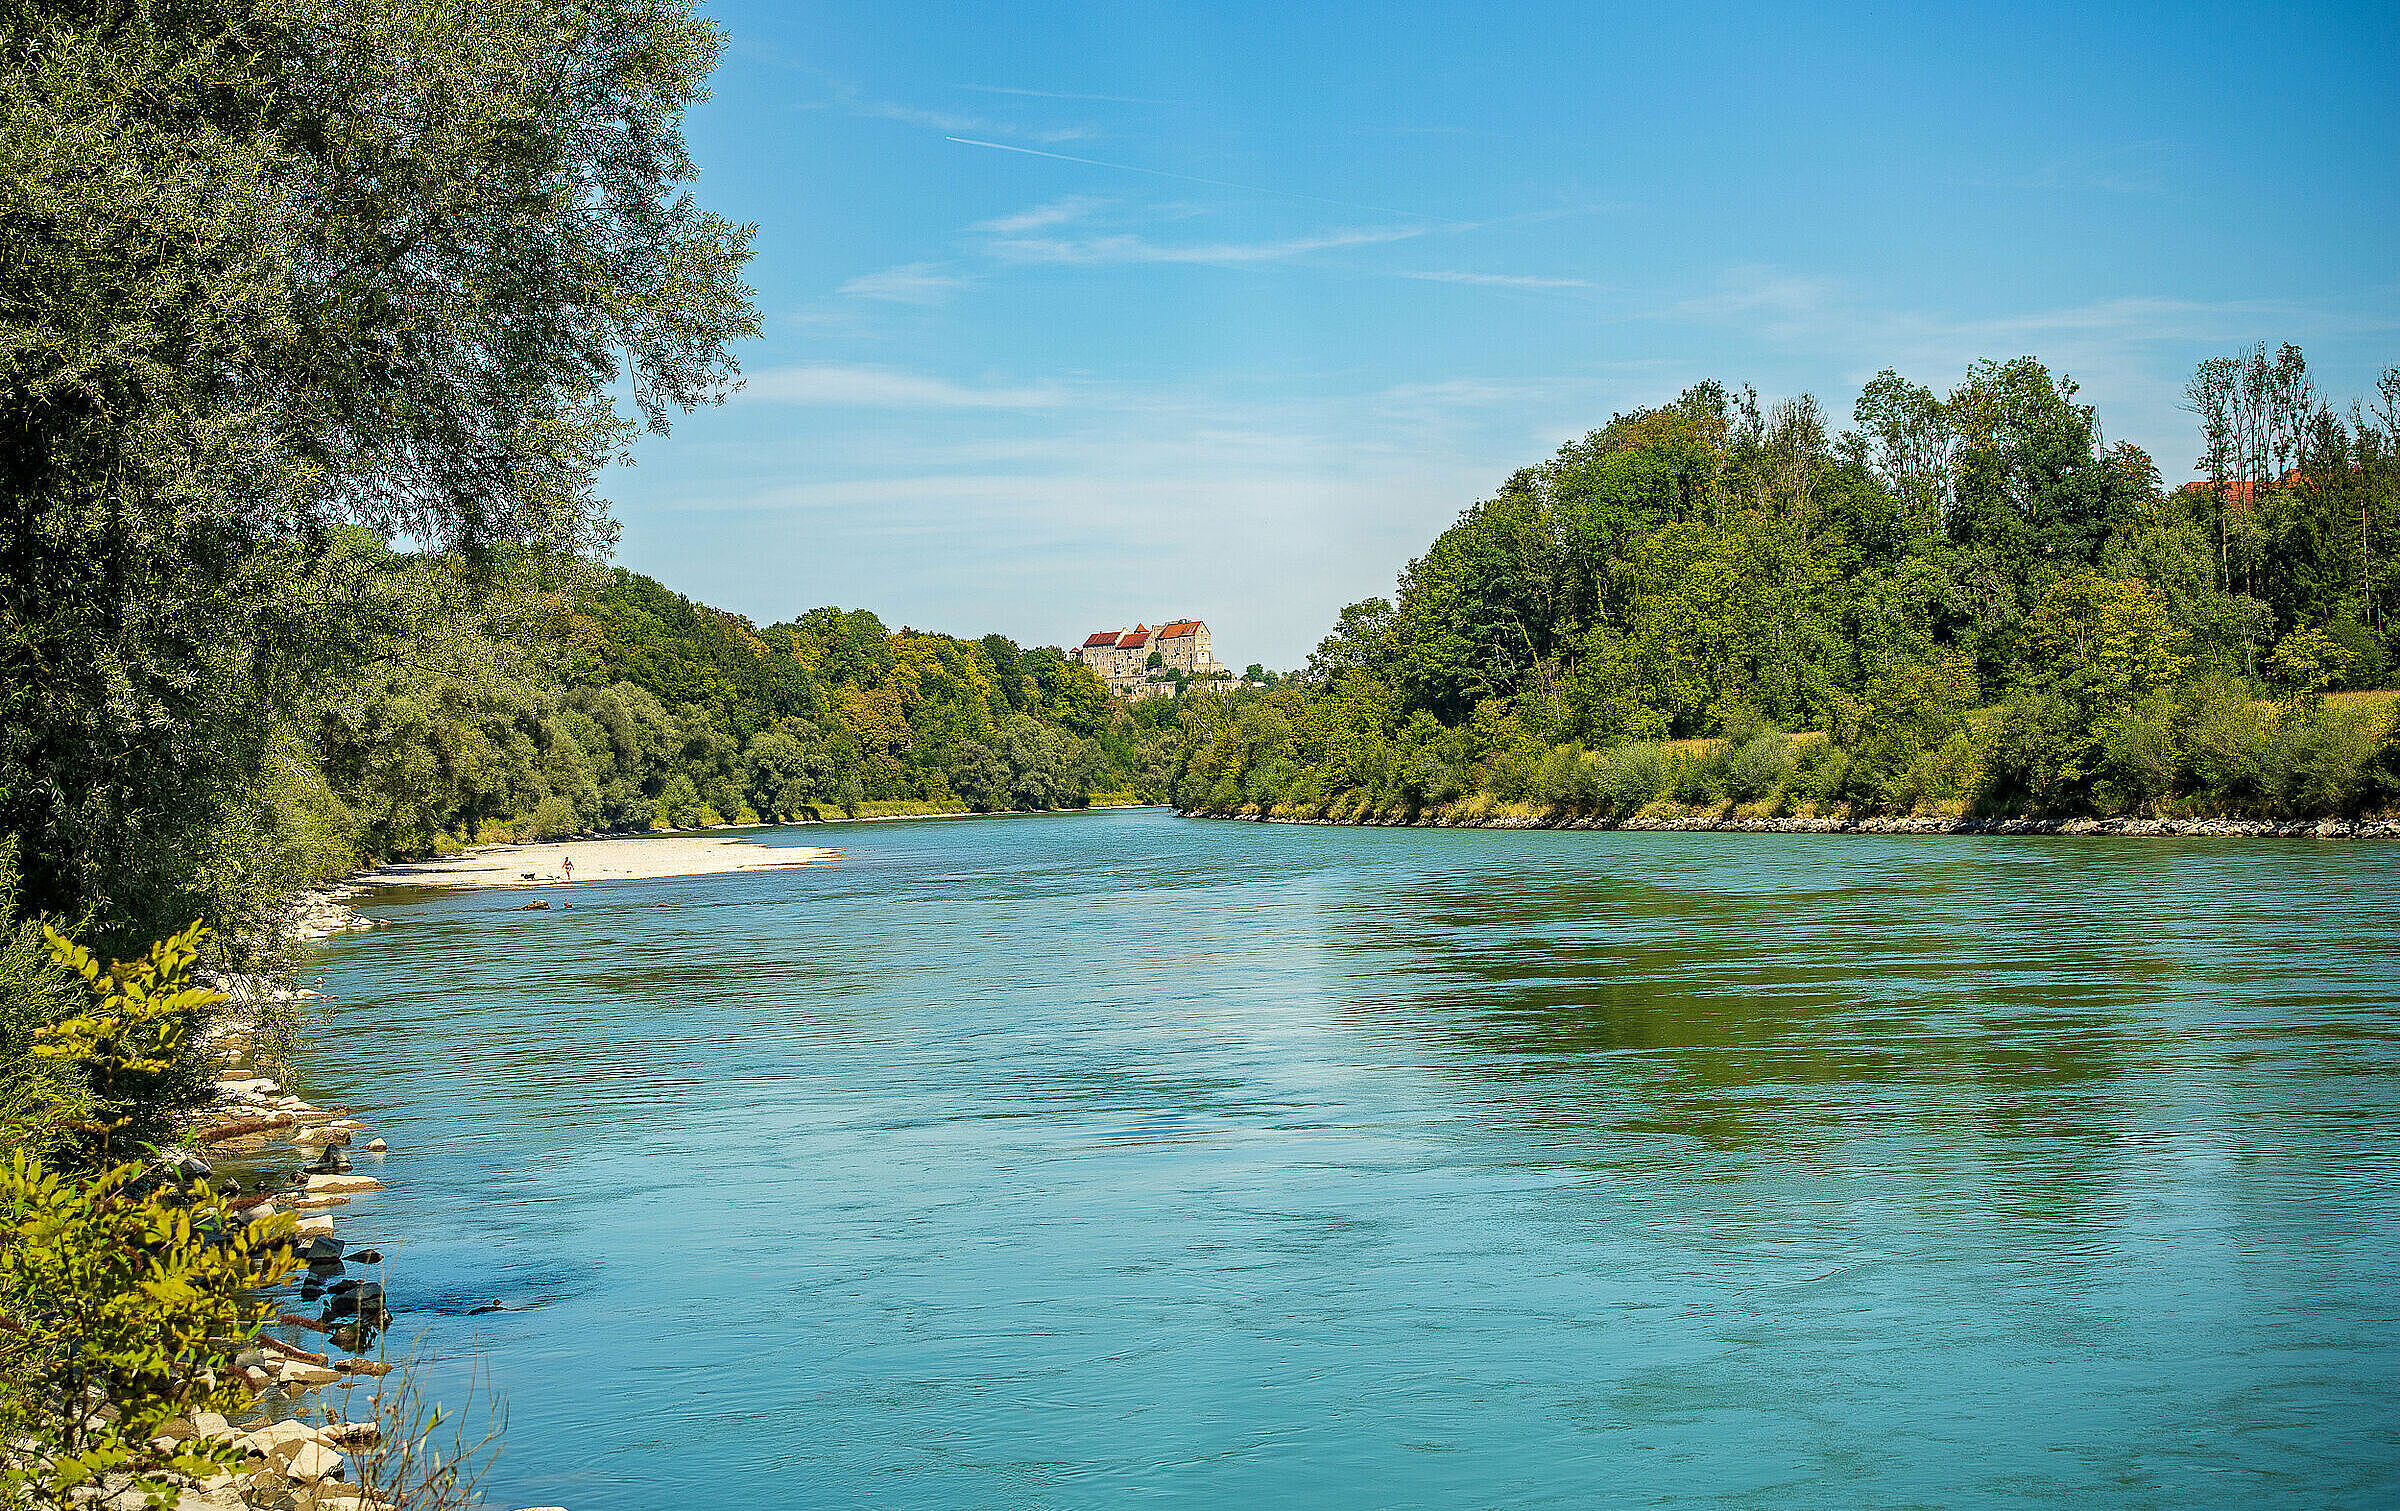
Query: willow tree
271	268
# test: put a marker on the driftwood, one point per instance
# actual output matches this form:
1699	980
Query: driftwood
245	1203
289	1352
289	1319
352	1434
247	1126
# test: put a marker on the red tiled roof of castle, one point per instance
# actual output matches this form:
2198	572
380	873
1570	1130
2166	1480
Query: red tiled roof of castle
1178	629
1134	641
1104	637
2243	493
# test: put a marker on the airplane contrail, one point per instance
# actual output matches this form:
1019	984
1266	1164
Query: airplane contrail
1093	162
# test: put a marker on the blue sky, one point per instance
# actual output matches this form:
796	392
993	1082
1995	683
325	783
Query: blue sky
1082	314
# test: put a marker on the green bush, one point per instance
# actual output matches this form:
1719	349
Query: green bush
1631	776
1565	781
40	1095
2226	750
1820	774
1758	768
2327	764
2141	760
2022	756
1698	781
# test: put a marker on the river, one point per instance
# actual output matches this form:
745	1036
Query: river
1108	1159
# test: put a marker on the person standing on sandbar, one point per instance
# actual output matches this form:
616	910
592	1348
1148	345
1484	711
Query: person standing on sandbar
566	863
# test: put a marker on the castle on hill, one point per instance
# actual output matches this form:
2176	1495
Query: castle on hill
1124	658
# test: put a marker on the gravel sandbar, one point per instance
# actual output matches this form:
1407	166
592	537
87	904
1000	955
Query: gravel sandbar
631	858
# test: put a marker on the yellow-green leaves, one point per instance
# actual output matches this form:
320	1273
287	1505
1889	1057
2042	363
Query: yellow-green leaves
131	1043
2302	666
124	1305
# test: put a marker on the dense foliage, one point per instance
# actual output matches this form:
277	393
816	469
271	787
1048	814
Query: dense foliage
1970	602
620	705
270	266
126	1291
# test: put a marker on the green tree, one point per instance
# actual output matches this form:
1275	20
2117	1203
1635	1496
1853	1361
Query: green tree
273	265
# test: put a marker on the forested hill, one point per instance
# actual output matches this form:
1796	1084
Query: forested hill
621	704
1969	602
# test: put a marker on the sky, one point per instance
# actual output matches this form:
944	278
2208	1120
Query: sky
1081	315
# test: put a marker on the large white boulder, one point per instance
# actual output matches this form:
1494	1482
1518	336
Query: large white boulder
314	1462
278	1441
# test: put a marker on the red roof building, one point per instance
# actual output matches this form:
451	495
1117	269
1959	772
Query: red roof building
2243	494
1123	658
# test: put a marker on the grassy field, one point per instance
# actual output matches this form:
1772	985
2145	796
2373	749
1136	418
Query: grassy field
2378	705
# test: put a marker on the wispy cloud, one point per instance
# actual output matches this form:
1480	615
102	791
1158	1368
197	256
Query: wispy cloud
833	385
1454	393
949	125
1216	183
2135	168
1057	212
850	98
910	283
1060	94
1502	280
1106	251
1758	290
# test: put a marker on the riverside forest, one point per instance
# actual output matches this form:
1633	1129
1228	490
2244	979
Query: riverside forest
322	326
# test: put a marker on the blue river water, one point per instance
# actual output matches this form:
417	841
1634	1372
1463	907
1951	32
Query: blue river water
1108	1159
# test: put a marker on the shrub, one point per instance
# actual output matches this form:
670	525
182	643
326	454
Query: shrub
1698	781
679	805
1563	780
39	1095
124	1297
135	1045
2141	759
1630	776
2226	749
2327	766
124	1309
1759	766
2028	767
1819	774
552	818
1514	773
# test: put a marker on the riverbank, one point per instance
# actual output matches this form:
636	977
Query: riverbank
308	1440
2131	828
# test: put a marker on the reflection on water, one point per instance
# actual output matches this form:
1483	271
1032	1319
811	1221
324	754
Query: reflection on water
1078	1160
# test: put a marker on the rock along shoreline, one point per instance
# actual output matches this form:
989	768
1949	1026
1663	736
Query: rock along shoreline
295	1450
2126	828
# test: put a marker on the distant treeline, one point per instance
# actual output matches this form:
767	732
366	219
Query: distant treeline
530	710
1968	603
644	708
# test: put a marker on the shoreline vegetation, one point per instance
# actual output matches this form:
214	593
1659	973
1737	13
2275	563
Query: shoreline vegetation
189	1324
2124	828
1975	608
